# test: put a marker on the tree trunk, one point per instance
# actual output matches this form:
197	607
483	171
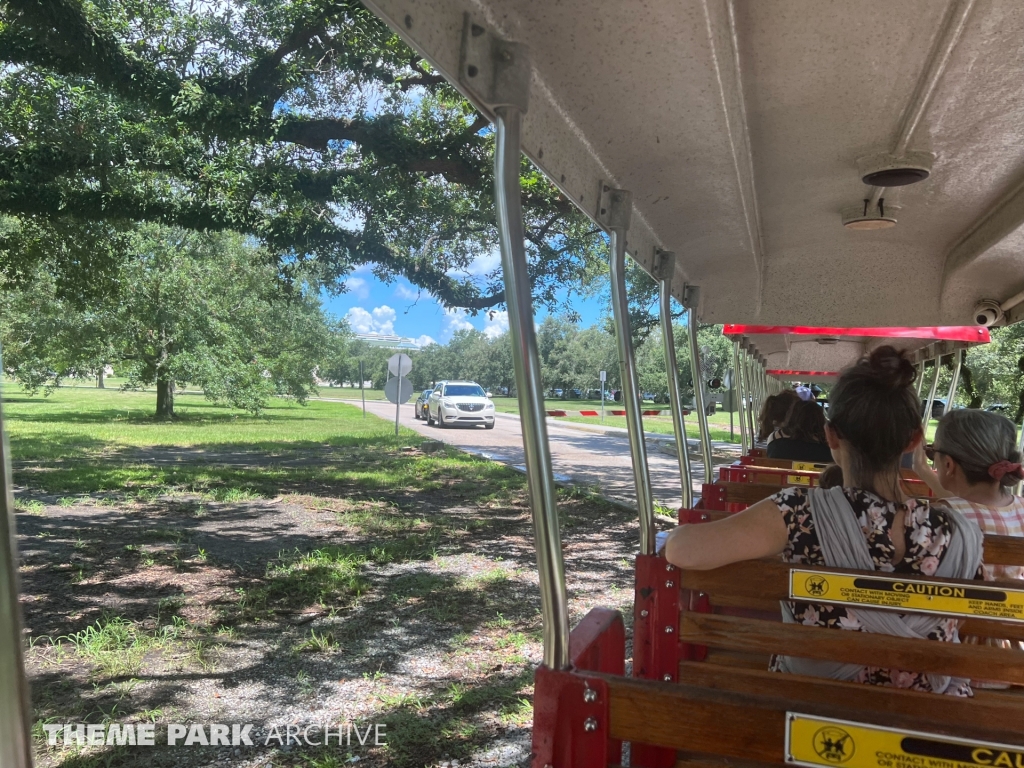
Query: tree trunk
164	397
99	378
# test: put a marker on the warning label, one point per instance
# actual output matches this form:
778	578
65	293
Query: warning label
798	479
822	741
908	595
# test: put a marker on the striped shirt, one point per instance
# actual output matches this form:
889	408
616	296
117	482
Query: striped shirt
994	521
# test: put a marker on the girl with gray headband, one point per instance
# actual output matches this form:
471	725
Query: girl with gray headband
976	462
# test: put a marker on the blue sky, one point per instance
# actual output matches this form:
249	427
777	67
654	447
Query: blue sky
371	306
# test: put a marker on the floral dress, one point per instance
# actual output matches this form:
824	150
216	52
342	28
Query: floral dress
927	537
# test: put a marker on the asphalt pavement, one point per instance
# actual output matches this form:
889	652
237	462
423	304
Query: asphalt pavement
582	454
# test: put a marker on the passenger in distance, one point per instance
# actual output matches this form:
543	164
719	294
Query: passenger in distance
868	524
802	437
773	415
976	462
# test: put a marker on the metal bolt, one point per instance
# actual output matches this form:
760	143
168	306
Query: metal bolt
590	725
703	517
644	613
667	677
505	56
669	568
669	630
669	584
590	695
472	71
701	594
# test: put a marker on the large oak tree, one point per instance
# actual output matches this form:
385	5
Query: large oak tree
305	124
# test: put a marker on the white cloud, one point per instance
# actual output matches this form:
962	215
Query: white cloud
496	324
358	287
406	292
485	263
424	341
380	320
455	320
482	265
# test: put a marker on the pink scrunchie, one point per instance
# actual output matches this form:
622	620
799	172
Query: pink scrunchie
1001	468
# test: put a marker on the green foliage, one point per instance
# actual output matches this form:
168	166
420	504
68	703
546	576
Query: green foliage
306	125
201	309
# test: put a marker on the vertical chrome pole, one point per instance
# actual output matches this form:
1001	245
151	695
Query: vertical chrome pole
666	266
619	207
15	709
1017	489
751	406
739	395
698	395
958	361
931	397
920	379
508	196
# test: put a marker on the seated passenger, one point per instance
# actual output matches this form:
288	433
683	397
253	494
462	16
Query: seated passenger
976	462
868	525
773	414
802	437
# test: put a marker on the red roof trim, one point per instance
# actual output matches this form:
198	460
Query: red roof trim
969	333
781	372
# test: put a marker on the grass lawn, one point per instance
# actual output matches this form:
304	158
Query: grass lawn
296	567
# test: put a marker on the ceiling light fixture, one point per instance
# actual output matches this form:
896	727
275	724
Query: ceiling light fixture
865	217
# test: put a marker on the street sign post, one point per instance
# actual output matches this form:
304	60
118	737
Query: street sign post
362	387
399	389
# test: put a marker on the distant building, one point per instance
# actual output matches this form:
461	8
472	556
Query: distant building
387	341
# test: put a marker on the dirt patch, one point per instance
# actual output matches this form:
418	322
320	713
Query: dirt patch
415	610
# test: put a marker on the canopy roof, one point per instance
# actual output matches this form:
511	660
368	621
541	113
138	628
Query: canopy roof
738	125
818	354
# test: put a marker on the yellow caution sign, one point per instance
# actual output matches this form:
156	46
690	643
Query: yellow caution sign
798	479
907	595
805	466
822	741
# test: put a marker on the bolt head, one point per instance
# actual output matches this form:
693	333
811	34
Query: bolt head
669	568
669	584
590	725
644	613
703	517
667	677
669	629
589	695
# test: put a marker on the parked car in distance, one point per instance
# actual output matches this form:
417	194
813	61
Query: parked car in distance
1002	408
938	407
455	403
421	404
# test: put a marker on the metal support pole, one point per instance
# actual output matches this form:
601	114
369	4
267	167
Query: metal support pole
749	392
1020	448
551	568
958	362
666	266
362	387
741	412
920	379
15	711
931	398
618	205
698	395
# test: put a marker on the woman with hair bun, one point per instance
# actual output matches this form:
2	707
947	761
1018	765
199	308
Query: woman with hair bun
976	462
773	415
868	524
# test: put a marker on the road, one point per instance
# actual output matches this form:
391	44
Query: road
584	456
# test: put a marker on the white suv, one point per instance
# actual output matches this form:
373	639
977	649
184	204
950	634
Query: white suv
460	402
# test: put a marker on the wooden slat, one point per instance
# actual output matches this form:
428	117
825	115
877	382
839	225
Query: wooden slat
757	583
750	725
999	550
765	637
746	493
997	711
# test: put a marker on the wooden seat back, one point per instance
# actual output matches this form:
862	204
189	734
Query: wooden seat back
742	626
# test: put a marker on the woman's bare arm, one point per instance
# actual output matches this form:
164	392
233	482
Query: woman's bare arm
927	474
758	531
